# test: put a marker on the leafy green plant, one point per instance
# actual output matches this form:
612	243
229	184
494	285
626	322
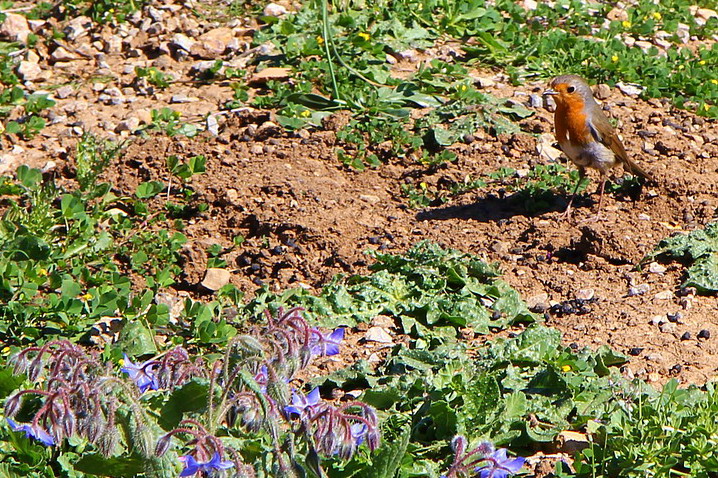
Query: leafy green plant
154	76
699	248
168	121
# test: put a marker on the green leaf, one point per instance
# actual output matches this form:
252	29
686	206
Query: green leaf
120	466
387	459
191	397
149	189
136	339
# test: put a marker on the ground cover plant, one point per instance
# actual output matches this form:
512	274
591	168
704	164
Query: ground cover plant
115	363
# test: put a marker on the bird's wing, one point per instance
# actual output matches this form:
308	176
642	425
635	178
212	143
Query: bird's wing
603	132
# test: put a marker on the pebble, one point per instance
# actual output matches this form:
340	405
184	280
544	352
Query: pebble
664	295
668	327
635	351
704	334
182	41
658	320
216	278
29	71
538	303
379	335
686	336
630	89
181	98
274	10
15	27
585	294
484	82
61	54
212	125
602	91
656	268
675	317
639	289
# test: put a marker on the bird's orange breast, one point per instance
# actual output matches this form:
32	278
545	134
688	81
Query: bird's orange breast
570	121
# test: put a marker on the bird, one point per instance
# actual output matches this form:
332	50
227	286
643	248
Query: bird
585	135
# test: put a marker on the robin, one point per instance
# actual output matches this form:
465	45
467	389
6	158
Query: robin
585	134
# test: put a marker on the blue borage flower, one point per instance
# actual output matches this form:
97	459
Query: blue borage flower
143	374
32	431
301	404
498	465
484	460
192	466
325	344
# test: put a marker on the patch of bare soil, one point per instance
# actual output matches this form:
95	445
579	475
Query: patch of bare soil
306	217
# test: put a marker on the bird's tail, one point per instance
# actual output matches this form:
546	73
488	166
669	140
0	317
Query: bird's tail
636	170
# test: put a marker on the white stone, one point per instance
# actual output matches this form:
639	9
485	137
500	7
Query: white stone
274	10
15	27
215	278
378	334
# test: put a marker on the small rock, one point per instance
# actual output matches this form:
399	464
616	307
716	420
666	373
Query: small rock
130	125
617	14
585	294
676	318
144	115
77	27
704	334
61	54
538	303
530	5
703	15
369	198
215	278
635	351
664	295
181	98
658	320
630	89
668	327
484	82
656	268
271	73
410	55
256	149
373	358
383	321
602	91
545	149
274	10
155	14
29	71
182	41
378	334
644	217
571	442
214	43
686	336
212	125
15	27
535	101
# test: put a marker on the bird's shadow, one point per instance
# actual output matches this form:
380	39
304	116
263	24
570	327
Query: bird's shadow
491	208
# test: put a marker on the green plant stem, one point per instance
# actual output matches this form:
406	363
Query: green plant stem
327	51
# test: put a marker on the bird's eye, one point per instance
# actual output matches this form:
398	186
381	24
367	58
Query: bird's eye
571	89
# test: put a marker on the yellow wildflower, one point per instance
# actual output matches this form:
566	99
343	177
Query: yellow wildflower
305	113
42	272
320	40
5	350
364	35
87	296
714	81
626	24
657	15
614	58
702	62
566	368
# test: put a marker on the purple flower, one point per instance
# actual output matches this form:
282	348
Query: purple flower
498	465
359	431
142	374
326	344
262	378
192	466
32	431
300	403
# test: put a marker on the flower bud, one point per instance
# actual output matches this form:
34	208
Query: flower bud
163	444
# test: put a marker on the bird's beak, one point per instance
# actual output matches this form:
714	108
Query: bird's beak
550	92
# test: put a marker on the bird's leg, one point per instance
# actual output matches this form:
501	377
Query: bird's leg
581	175
600	196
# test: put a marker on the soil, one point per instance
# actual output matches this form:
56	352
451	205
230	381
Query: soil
306	217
